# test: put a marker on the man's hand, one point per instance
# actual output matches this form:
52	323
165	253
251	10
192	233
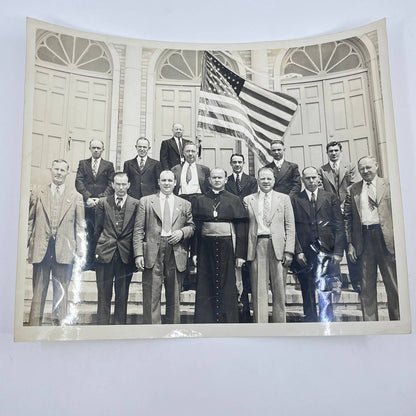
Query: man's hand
139	260
195	260
336	259
91	202
352	254
287	259
175	237
239	262
301	259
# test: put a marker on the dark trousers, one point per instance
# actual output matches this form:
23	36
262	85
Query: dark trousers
90	221
319	275
61	277
244	306
121	273
375	254
164	272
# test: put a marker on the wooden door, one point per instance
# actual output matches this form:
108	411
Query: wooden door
69	111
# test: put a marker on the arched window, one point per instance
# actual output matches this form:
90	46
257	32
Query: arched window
186	65
74	53
322	59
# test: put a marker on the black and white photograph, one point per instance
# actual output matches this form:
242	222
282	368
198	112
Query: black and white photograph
168	185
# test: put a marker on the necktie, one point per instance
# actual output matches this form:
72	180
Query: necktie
188	174
58	190
94	167
335	170
166	223
180	147
266	210
119	205
141	165
238	183
313	216
372	203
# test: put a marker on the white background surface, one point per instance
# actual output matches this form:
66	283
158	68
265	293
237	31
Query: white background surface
361	375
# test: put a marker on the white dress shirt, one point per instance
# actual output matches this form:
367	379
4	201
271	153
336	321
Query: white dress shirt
193	186
262	228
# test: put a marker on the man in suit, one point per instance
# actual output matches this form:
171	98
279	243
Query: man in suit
171	150
161	244
93	181
271	244
369	229
336	176
319	246
56	239
287	177
192	179
114	223
240	184
142	171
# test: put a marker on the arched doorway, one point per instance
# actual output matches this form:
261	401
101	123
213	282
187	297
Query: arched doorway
178	79
72	101
330	81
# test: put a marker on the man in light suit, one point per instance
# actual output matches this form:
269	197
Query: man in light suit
114	222
143	172
240	184
336	176
192	179
287	177
319	246
93	181
56	239
161	244
369	230
271	243
171	150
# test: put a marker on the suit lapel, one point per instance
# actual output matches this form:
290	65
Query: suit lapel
112	210
201	176
128	212
319	200
329	173
154	202
342	171
45	198
275	204
304	202
88	167
175	146
357	197
254	202
67	201
232	185
244	180
177	208
380	189
283	171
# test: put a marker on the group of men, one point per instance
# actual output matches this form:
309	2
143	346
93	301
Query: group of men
241	233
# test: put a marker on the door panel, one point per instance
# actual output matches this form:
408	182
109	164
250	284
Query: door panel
306	139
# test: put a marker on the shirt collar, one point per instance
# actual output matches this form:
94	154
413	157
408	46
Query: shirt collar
123	198
309	193
61	188
279	163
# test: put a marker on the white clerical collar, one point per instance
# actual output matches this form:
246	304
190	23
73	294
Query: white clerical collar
309	193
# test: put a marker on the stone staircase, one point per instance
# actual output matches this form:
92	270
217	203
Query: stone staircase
83	301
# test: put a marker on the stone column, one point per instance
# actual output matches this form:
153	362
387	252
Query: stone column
131	103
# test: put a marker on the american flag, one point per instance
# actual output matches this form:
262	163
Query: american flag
234	107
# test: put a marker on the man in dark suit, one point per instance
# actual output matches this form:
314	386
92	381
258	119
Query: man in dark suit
242	185
162	231
114	223
171	150
191	178
93	181
336	176
319	246
369	229
286	174
56	240
142	171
